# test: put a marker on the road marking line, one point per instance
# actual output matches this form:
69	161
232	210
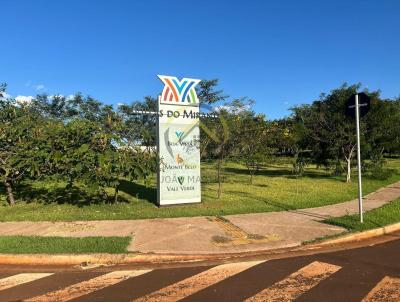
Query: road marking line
87	287
388	290
198	282
297	283
21	279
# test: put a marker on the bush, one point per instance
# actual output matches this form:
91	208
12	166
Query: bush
377	170
299	166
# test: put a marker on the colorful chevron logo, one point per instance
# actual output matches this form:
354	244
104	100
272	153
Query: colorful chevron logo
182	92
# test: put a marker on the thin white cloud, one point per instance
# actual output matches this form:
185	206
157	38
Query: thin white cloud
24	99
52	96
35	86
231	109
221	107
68	97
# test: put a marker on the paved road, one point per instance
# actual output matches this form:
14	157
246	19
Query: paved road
364	274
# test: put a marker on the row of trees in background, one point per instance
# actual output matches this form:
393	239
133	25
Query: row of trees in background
81	140
78	140
318	133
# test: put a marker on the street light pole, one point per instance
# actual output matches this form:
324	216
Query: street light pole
360	201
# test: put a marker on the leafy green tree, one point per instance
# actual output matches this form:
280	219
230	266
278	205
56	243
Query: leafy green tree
20	138
254	149
281	136
382	130
140	128
89	144
125	163
208	93
328	132
251	140
3	87
221	135
220	143
215	135
92	153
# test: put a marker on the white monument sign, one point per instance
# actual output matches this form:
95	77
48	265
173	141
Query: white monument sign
178	142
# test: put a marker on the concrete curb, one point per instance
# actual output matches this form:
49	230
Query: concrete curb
129	259
391	228
139	258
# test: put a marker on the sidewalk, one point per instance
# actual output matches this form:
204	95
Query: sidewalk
211	235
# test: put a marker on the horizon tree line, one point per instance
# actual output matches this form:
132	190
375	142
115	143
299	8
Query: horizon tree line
83	141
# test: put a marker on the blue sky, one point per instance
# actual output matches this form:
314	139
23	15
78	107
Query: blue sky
280	53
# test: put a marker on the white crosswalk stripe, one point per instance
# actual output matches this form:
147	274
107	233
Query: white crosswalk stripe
87	287
198	282
21	279
297	283
288	289
388	290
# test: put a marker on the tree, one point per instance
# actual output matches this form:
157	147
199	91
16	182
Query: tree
382	130
89	143
208	93
282	136
3	87
220	134
92	153
328	132
215	133
252	144
220	143
20	137
140	128
250	136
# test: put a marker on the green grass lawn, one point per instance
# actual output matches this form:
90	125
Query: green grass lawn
273	189
62	245
388	214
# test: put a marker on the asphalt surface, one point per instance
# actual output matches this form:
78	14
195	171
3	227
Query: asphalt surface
370	273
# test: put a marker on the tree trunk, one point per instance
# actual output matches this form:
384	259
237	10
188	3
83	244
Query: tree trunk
250	173
68	188
348	176
10	194
219	180
116	194
381	154
348	160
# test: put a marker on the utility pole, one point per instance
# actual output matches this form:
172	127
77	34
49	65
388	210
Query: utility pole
358	105
360	200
